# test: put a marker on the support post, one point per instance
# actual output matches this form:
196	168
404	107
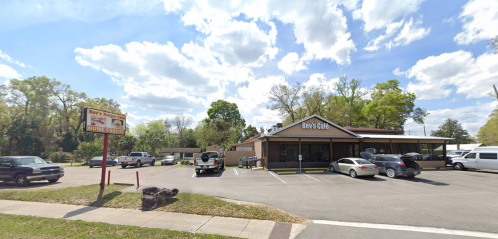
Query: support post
138	182
108	177
104	162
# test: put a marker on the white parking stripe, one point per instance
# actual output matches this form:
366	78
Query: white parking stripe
275	175
311	177
193	175
410	228
235	172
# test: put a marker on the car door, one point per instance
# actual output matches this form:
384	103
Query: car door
380	161
341	164
6	170
471	159
487	160
346	165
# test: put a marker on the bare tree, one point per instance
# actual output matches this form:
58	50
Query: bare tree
496	91
181	122
494	45
286	99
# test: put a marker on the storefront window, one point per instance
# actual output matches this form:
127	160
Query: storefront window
288	152
405	148
438	151
315	152
380	148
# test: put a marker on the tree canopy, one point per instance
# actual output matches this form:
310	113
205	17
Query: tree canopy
452	129
488	134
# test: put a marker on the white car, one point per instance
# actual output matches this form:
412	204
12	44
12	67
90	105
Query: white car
168	160
354	167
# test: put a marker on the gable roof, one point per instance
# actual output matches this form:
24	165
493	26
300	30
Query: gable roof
310	117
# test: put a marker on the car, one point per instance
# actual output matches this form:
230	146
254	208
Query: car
119	159
456	154
478	158
210	160
168	160
394	165
354	167
97	161
25	169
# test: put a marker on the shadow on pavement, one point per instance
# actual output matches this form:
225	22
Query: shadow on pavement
36	184
423	180
210	174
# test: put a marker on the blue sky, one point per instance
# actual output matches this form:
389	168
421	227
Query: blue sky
163	58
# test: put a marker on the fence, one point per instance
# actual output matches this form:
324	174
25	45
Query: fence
232	157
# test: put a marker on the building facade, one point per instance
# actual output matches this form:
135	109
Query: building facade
320	142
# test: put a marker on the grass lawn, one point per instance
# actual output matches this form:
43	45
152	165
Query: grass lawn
13	226
69	164
112	197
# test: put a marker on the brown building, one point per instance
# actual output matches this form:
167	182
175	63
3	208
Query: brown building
320	142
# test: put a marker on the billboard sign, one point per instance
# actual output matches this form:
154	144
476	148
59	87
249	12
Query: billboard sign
99	121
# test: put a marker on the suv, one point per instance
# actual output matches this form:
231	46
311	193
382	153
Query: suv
210	160
24	169
397	165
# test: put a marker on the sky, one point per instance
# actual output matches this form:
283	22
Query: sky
159	59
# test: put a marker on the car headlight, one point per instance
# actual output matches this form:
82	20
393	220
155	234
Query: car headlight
36	170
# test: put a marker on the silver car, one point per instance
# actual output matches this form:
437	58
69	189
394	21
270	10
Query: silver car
168	160
354	167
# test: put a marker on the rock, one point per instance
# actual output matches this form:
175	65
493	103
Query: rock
153	196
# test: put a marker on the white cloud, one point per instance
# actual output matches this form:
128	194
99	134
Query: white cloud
479	18
8	72
319	80
255	93
38	12
9	59
407	32
472	77
378	14
290	63
472	118
157	76
319	26
266	118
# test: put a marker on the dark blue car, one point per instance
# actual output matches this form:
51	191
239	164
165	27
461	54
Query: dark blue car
97	161
396	165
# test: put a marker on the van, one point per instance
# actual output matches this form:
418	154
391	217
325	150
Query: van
479	158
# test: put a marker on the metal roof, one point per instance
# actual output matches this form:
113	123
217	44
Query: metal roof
386	136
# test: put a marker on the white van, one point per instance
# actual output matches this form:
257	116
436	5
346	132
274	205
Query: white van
479	158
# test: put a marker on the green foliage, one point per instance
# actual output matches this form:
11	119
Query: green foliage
69	142
287	100
226	111
488	134
249	132
190	141
452	129
151	136
60	158
88	150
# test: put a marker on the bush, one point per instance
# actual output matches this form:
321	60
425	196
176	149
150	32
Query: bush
45	155
60	158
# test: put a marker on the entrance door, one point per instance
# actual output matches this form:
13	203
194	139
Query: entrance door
292	155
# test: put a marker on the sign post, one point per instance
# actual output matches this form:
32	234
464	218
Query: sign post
300	159
103	122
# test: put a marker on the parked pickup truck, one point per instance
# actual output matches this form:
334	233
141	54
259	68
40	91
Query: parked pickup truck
137	159
24	169
210	160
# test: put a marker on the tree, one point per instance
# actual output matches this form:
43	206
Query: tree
313	101
190	141
126	144
494	44
488	134
249	132
228	112
351	93
181	122
390	107
286	99
452	129
151	135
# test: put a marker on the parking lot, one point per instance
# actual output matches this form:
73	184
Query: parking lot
457	200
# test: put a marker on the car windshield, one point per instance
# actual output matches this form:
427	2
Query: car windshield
29	161
97	158
210	154
170	157
362	161
136	154
455	153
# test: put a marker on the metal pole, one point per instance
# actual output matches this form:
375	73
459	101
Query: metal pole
104	162
108	177
138	182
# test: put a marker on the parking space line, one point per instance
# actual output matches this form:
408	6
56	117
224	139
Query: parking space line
235	172
193	175
409	228
275	175
312	177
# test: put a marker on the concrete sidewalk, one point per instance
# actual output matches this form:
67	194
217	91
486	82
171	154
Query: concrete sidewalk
226	226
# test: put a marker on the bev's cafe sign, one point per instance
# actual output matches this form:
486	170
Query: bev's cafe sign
315	125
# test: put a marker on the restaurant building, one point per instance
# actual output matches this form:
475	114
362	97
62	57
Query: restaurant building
320	142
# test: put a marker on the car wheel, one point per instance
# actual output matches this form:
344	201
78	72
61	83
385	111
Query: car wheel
197	171
21	180
352	173
458	166
53	180
391	173
223	165
91	166
123	165
138	165
153	162
332	169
